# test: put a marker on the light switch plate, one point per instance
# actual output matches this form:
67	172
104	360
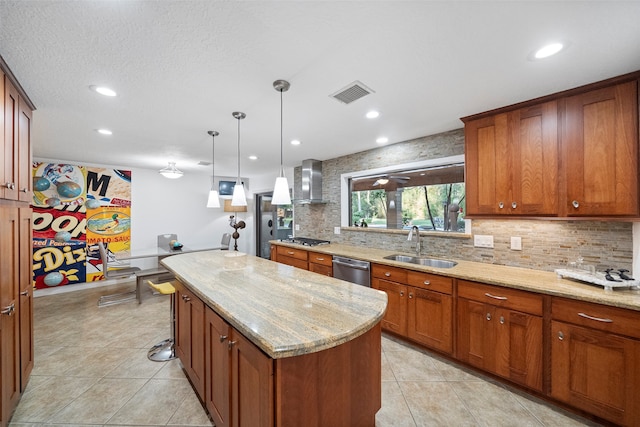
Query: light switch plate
336	230
297	227
516	243
483	241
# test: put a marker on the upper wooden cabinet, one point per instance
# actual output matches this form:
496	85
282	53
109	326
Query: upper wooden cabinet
572	154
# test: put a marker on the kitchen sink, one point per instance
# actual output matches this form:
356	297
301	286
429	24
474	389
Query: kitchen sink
429	262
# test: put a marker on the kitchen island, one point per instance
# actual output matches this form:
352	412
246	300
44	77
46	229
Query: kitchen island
269	344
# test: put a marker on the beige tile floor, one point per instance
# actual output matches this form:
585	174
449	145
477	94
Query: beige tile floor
91	369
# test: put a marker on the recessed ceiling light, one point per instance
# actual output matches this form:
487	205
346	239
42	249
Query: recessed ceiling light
253	157
382	140
295	142
103	90
548	50
104	131
372	114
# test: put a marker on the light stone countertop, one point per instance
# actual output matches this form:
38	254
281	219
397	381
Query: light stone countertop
539	281
283	310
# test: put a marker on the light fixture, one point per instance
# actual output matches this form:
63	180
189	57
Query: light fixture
238	198
171	171
547	51
253	157
382	181
104	131
373	114
382	140
213	201
281	189
295	142
102	90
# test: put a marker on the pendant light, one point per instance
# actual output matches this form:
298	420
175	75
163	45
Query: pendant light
171	171
213	201
281	189
238	198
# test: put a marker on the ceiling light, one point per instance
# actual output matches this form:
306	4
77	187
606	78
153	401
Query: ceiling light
372	114
214	200
104	132
382	181
102	90
382	140
253	157
238	198
171	171
281	194
295	142
548	50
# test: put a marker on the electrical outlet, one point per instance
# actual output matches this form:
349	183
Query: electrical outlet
482	241
516	243
336	230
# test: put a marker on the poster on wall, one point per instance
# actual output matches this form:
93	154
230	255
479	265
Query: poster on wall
74	207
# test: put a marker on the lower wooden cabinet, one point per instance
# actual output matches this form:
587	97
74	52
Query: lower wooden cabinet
497	338
320	263
395	319
291	256
26	296
190	337
593	366
429	319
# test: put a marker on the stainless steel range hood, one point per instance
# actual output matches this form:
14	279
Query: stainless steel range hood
311	182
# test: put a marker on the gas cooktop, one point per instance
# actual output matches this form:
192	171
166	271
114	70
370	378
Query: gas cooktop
305	241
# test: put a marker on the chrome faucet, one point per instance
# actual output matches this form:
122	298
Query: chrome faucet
410	238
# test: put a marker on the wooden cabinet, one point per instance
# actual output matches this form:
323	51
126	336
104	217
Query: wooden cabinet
419	305
595	359
292	256
320	263
26	295
24	181
571	154
217	395
600	144
512	162
190	337
11	141
500	331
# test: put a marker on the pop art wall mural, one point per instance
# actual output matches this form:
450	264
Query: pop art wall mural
75	207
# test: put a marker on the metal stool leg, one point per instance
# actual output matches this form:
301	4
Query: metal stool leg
165	350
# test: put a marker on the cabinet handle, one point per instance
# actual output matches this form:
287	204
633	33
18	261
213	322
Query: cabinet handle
487	294
319	259
10	185
560	336
575	204
410	295
24	293
501	205
401	293
185	298
514	205
488	316
222	338
24	190
8	310
387	274
290	252
426	282
597	319
232	343
502	320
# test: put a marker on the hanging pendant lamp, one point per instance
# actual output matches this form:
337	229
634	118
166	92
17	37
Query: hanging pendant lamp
281	194
171	171
213	201
238	198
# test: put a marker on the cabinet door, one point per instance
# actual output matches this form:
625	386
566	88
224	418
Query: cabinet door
534	146
487	165
217	368
24	181
190	336
11	117
596	371
9	319
395	319
26	296
429	319
518	347
600	144
252	394
476	340
326	270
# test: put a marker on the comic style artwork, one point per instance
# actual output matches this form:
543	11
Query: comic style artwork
74	207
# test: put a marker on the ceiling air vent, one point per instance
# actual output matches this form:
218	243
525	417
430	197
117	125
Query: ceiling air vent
203	163
352	92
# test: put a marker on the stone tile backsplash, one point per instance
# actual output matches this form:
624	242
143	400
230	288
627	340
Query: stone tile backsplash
546	244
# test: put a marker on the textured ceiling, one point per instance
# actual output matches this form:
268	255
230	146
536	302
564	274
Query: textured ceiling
182	67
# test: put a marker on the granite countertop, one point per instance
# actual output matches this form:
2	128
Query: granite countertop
283	310
539	281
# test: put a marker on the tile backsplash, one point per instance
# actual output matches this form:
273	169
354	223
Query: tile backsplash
546	244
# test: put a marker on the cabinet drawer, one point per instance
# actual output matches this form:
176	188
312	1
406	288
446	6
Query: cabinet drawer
432	282
389	273
291	252
327	270
294	262
501	297
596	316
320	258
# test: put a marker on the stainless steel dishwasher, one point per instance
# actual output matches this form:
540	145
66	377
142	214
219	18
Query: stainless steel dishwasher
352	270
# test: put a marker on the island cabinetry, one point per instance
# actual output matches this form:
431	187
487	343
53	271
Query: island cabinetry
595	359
500	331
512	162
292	256
600	151
419	305
320	263
190	337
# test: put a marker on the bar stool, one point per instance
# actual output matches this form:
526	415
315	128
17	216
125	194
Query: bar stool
165	350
